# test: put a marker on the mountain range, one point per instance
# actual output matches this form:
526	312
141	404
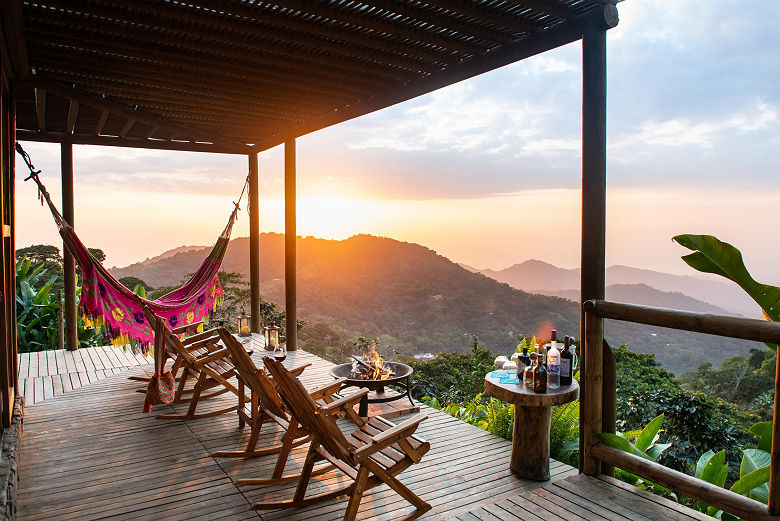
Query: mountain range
632	285
419	301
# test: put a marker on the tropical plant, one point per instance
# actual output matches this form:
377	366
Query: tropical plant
486	413
711	255
645	444
754	471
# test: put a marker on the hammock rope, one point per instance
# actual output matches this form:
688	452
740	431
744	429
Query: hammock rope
109	305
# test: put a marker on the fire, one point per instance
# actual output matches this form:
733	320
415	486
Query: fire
372	367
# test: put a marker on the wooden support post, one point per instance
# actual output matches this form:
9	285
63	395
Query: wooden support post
594	186
69	263
289	246
609	400
254	243
774	478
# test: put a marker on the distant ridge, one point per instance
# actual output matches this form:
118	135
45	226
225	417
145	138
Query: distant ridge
418	301
537	276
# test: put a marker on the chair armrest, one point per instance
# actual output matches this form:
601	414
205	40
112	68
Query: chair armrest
402	430
212	357
296	372
342	403
392	435
327	389
187	327
199	337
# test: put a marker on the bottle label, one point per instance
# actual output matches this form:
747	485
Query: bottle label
566	367
520	367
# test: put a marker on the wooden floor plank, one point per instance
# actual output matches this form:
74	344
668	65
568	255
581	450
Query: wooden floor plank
23	360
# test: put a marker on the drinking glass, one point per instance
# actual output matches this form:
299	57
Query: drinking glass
280	352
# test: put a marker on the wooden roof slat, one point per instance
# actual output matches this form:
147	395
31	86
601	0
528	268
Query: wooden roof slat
75	94
73	113
175	58
101	122
40	108
13	31
77	15
101	67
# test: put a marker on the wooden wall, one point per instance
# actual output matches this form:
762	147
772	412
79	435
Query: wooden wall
8	370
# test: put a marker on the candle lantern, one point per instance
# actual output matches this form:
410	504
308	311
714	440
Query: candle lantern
267	336
273	337
243	325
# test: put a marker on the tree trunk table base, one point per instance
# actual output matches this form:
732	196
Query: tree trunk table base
531	435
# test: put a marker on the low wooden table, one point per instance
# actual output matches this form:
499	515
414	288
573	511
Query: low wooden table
531	436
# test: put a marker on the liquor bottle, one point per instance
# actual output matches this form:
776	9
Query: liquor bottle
523	361
540	375
567	357
528	375
553	364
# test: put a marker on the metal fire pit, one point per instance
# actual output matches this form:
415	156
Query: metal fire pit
401	374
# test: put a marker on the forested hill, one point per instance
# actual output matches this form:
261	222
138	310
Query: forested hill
418	301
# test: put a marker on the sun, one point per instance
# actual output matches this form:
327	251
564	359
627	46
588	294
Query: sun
332	216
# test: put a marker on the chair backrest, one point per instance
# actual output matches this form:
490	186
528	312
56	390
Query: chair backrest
300	404
172	342
254	378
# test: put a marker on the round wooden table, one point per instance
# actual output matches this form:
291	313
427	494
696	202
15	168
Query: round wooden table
531	436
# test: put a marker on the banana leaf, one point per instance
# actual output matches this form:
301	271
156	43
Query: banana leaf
649	434
714	256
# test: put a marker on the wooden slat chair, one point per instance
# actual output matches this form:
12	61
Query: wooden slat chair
205	361
374	453
265	406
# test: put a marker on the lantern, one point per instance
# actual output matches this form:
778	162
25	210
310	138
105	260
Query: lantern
273	338
267	336
243	325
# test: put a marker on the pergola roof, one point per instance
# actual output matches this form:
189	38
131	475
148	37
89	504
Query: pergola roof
224	75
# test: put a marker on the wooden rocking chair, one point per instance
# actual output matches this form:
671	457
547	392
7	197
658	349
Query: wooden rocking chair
202	359
375	453
266	406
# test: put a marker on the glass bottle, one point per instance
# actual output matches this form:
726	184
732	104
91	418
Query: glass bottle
523	361
528	375
540	375
553	364
566	362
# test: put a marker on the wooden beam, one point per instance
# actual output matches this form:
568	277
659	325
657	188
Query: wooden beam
151	132
254	244
121	110
101	122
73	113
684	484
40	108
535	44
126	128
732	327
609	399
13	29
112	141
290	237
69	262
594	222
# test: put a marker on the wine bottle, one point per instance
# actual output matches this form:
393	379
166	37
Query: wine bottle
523	361
567	358
553	364
528	375
540	375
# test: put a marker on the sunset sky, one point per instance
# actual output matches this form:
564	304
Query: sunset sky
487	171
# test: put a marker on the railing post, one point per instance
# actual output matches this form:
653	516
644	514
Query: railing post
289	246
591	402
774	478
254	244
608	399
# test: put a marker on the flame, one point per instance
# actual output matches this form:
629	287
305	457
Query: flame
372	358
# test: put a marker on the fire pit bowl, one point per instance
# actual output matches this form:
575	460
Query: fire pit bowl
399	377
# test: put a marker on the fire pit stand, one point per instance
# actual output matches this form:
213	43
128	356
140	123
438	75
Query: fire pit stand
400	377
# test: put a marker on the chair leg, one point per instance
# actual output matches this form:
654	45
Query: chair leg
180	389
399	487
287	445
240	409
308	466
357	494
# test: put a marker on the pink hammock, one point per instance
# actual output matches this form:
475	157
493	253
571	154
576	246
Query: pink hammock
108	304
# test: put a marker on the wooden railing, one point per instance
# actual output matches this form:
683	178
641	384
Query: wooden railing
598	414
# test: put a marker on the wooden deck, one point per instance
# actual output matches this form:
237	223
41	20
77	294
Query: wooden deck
45	374
92	454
